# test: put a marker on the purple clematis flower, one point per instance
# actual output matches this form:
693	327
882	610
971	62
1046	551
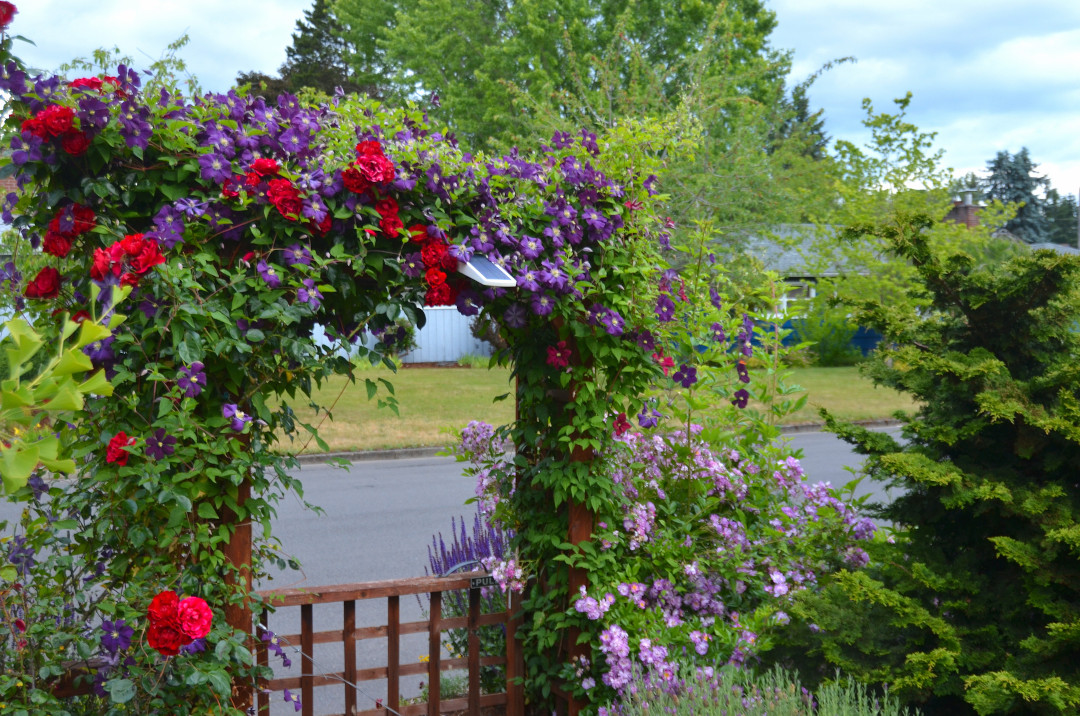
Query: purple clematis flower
297	254
159	445
665	308
191	379
116	637
742	397
309	294
516	316
686	375
239	418
267	273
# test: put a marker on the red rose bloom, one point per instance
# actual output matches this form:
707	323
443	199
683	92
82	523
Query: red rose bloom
264	167
434	276
391	225
57	119
146	257
354	180
75	142
45	285
372	164
56	244
166	637
433	253
7	12
91	83
441	295
230	189
418	233
286	198
102	264
36	127
195	617
449	262
321	228
116	453
163	606
84	218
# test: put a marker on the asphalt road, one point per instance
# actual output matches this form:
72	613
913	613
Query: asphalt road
377	521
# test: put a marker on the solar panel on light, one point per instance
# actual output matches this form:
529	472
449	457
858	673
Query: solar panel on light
486	272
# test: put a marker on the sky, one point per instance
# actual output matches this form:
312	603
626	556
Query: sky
986	75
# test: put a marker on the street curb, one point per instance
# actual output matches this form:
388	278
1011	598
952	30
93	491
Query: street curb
422	452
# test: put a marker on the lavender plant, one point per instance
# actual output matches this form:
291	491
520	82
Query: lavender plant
705	691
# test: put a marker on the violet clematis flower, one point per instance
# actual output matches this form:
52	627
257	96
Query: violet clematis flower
239	418
192	379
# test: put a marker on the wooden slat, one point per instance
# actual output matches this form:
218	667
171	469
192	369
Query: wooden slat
393	652
264	660
379	672
474	653
485	701
332	636
515	661
434	653
365	590
307	646
348	616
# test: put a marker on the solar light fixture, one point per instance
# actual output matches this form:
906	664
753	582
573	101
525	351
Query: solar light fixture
486	273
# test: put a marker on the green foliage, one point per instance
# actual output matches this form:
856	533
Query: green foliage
975	600
829	331
1061	215
1011	179
777	692
39	392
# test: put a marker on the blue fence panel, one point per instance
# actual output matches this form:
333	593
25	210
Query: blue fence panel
445	338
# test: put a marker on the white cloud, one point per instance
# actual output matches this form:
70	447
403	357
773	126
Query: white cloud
986	75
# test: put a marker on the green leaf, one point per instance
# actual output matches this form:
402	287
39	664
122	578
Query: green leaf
97	384
206	511
372	388
120	690
16	465
66	398
72	362
221	682
9	573
255	335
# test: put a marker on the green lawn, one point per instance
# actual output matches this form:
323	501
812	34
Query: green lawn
433	401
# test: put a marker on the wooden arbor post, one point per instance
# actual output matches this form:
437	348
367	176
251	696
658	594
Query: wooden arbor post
238	555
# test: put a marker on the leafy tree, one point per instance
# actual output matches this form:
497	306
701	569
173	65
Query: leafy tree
1061	215
549	50
974	605
1011	179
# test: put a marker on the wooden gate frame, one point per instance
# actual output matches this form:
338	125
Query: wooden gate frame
349	634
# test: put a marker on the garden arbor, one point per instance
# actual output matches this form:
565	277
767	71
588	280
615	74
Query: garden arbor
236	226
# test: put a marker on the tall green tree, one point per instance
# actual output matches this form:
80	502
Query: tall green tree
1061	216
1011	179
316	59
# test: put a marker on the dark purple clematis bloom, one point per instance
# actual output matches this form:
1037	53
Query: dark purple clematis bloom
297	255
647	419
714	297
267	273
214	167
742	397
665	308
239	418
116	637
718	334
468	303
21	555
191	379
195	647
646	341
516	316
291	698
744	374
309	294
101	351
612	322
542	304
686	375
159	445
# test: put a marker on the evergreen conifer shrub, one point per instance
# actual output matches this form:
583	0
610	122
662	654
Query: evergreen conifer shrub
974	604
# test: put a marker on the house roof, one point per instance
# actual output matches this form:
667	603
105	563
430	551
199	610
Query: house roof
782	250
